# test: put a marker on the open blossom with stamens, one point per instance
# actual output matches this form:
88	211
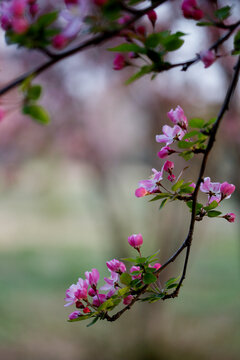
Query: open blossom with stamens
150	185
116	266
178	117
212	189
170	134
111	284
76	292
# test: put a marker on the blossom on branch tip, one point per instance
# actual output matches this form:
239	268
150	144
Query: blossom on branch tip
150	185
178	117
76	292
230	217
191	10
116	266
165	151
135	240
170	134
92	277
212	189
74	315
152	15
207	57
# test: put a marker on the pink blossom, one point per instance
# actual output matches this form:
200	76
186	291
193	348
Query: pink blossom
152	15
74	315
99	299
86	310
59	41
227	190
92	277
135	240
212	189
178	117
168	166
135	268
119	62
230	217
191	10
170	134
75	292
151	185
92	292
207	57
116	266
155	266
111	284
127	300
20	25
165	151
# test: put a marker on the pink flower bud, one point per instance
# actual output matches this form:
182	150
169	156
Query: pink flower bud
207	57
152	15
91	292
168	166
155	266
74	315
79	305
86	310
18	8
116	266
34	8
191	10
230	217
135	240
127	300
226	189
140	192
141	30
20	25
165	151
59	41
171	177
124	20
119	62
135	268
6	23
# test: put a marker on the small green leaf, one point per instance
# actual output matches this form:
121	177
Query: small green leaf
204	23
129	259
127	47
125	278
123	291
171	281
143	71
178	184
237	42
196	123
185	144
34	92
37	113
223	13
163	203
140	260
149	278
160	196
187	155
211	206
93	322
190	134
213	213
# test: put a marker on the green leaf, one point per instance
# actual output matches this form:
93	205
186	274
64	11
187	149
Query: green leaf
223	13
198	206
153	298
213	213
171	281
93	322
204	23
153	40
160	196
186	190
143	71
153	256
127	47
190	134
187	155
129	259
140	260
47	19
149	278
172	43
236	42
123	291
178	184
125	278
163	203
37	113
211	206
34	92
196	123
185	144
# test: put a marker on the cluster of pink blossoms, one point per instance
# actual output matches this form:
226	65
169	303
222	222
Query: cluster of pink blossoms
216	191
86	296
17	15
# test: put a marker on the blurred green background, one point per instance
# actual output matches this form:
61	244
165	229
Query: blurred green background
67	205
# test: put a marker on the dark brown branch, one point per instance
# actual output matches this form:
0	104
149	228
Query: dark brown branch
96	40
188	241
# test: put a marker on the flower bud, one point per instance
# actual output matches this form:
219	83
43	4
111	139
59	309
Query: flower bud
140	192
152	15
135	240
226	189
74	315
207	57
59	41
116	266
127	300
191	10
119	62
230	217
